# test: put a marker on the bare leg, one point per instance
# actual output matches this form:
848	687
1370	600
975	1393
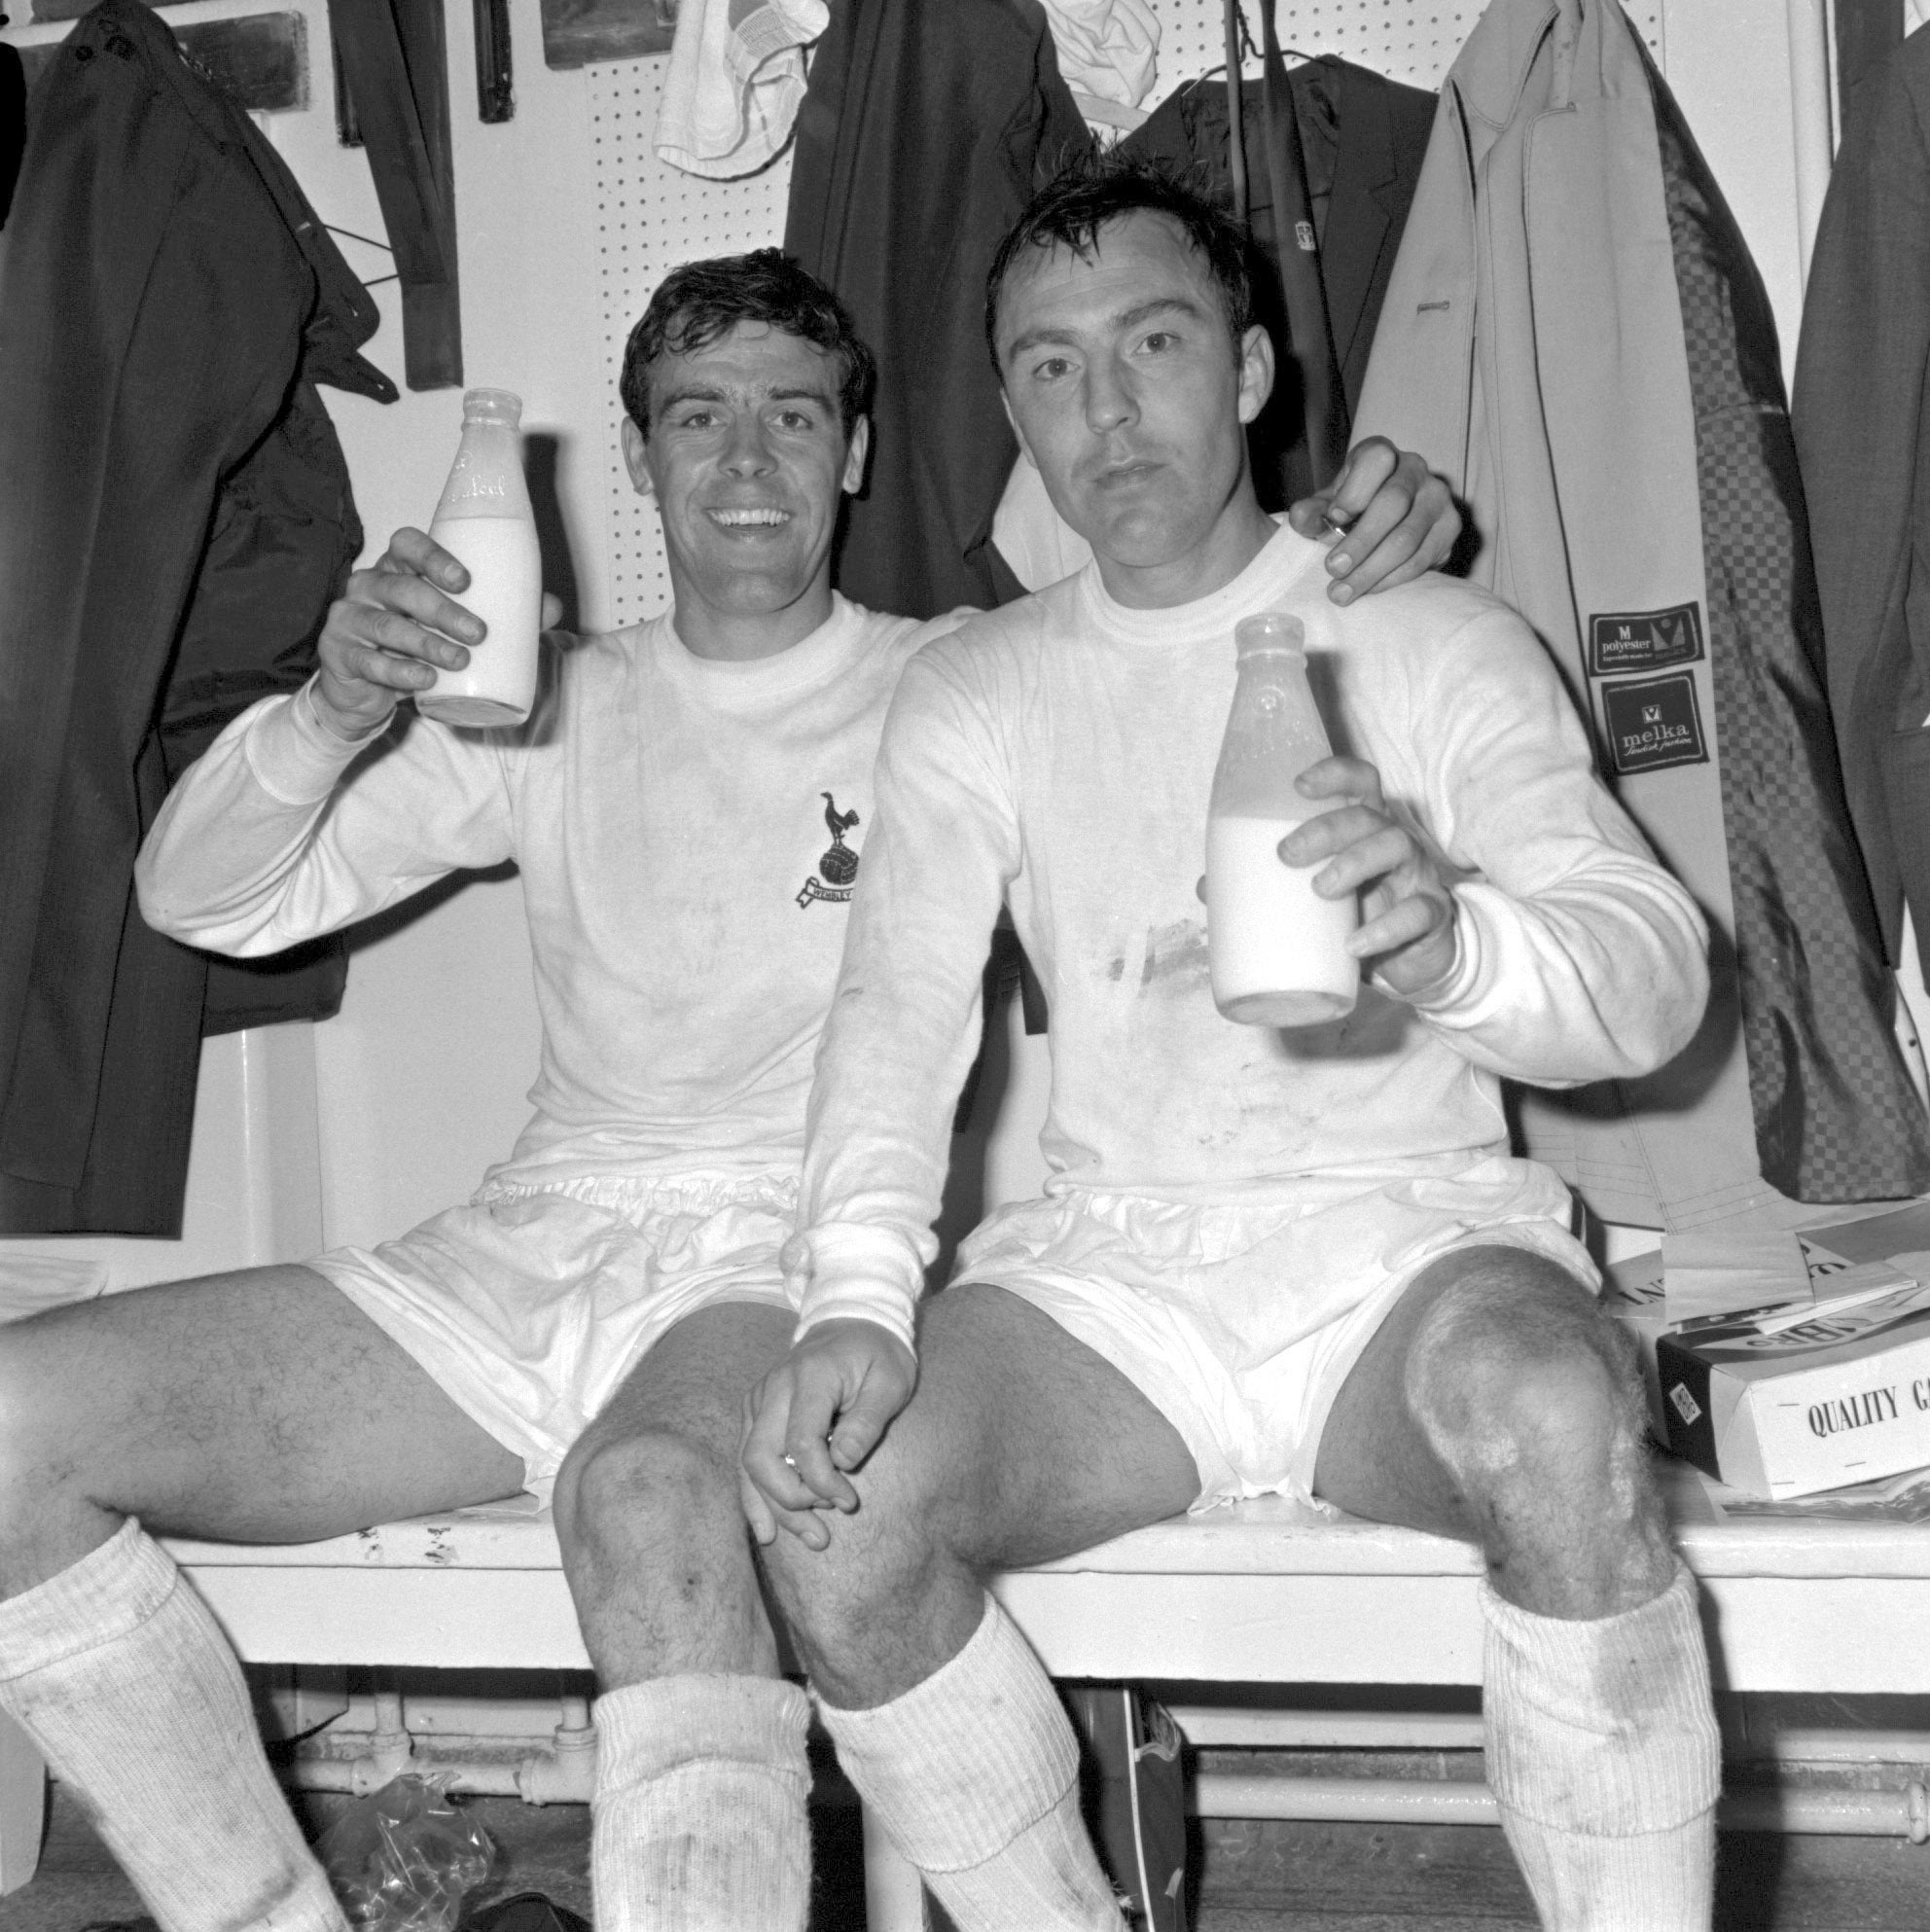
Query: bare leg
1021	1445
647	1513
1498	1404
254	1405
257	1407
699	1820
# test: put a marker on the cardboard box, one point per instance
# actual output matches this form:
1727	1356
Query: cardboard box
1783	1402
1634	1289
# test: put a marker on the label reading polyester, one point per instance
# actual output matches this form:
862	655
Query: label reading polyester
1644	640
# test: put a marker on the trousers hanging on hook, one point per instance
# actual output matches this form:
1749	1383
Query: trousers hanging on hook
1323	404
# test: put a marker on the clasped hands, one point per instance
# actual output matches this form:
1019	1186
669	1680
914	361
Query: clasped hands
815	1417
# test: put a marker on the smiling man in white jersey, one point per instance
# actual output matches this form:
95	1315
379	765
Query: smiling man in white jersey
1302	1262
687	809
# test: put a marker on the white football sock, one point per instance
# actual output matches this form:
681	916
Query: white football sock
698	1820
118	1671
1604	1751
974	1774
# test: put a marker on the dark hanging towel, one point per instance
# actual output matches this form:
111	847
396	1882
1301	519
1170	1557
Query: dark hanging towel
925	131
1863	433
175	517
1837	1117
1359	142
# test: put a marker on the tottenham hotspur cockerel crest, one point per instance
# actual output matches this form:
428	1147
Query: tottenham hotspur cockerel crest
839	864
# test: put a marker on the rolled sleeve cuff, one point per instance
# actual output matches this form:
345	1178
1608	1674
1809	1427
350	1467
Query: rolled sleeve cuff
1456	987
855	1273
864	1300
294	756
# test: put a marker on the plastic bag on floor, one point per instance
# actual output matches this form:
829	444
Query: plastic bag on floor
403	1858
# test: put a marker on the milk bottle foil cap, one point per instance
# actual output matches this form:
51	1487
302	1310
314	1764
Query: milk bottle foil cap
1269	632
497	406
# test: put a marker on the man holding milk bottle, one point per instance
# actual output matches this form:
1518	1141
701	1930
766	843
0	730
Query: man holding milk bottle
1288	1258
589	1324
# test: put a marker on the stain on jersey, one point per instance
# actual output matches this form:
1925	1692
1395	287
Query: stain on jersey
1175	956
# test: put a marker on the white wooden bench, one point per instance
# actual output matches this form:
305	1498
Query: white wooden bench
1264	1593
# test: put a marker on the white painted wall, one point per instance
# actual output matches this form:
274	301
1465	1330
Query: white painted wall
354	1130
1747	75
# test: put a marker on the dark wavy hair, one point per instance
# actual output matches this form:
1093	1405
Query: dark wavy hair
1094	189
696	305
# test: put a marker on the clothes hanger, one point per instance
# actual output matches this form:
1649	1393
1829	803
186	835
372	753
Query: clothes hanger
1239	36
1236	32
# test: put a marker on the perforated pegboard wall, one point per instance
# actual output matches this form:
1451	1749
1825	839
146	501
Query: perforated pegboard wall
1407	40
651	217
648	217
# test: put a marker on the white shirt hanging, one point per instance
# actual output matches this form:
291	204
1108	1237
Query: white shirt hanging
735	77
1108	49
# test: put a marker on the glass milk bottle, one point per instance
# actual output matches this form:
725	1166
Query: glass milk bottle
1277	949
485	523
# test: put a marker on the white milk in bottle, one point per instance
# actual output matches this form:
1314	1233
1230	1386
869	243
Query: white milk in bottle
484	520
1277	950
